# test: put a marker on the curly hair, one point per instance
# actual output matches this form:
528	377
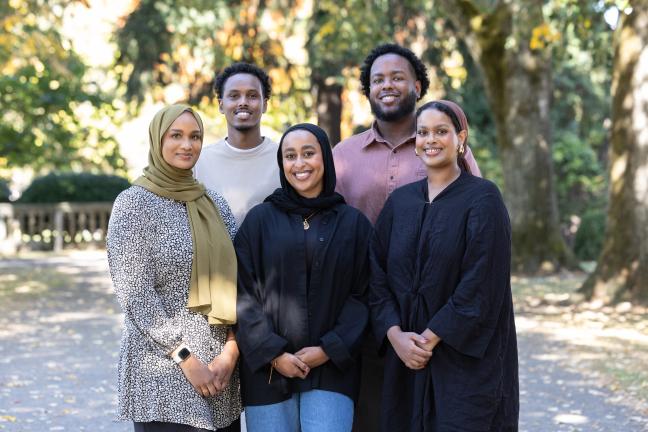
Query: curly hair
419	68
242	68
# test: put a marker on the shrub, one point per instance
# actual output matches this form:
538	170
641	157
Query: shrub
589	237
74	187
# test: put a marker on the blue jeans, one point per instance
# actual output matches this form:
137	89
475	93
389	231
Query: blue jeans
311	411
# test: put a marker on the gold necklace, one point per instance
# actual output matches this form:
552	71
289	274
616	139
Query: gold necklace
306	224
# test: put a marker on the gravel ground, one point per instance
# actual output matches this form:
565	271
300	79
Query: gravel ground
59	336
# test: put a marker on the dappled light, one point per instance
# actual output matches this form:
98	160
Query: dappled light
556	96
606	345
59	343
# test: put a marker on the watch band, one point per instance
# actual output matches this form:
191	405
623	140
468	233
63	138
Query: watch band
181	353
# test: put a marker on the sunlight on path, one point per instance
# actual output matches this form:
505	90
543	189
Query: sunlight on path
59	338
58	344
557	393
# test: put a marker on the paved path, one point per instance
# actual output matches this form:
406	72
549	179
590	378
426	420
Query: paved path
554	397
58	348
58	352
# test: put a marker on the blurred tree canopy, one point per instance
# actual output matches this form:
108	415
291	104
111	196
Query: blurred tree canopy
311	50
47	101
164	42
533	76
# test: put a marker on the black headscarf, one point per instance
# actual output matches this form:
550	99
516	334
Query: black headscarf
287	198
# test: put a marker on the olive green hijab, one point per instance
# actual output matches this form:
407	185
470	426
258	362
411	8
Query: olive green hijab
213	271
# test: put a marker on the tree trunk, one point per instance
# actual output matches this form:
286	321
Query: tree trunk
328	98
519	88
622	270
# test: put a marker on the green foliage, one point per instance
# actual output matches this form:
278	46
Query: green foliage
5	193
582	69
48	102
143	40
590	235
74	187
188	42
580	178
341	33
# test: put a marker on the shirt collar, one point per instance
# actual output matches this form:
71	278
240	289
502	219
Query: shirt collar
373	136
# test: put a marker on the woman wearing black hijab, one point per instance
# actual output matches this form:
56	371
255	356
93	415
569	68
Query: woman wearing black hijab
302	275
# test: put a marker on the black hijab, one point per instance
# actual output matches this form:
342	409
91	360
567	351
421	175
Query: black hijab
287	198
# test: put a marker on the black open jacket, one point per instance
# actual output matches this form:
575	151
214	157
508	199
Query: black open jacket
445	266
277	310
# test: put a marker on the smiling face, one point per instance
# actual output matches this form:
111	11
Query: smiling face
393	88
303	163
437	142
243	102
182	142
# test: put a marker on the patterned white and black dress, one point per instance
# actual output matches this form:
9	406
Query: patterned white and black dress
150	251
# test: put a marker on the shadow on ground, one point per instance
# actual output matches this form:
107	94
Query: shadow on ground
60	329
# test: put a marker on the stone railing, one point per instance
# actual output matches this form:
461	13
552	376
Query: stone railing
53	226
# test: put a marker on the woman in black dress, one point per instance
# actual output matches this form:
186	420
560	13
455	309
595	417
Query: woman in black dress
440	293
303	273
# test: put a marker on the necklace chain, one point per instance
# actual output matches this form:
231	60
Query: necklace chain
306	224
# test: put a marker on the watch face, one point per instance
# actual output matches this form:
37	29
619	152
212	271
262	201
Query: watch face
184	353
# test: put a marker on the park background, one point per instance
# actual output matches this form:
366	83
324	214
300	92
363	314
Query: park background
556	93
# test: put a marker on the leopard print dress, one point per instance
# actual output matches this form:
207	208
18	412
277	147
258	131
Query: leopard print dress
150	251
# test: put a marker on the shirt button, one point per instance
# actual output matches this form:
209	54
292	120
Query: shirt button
321	239
391	177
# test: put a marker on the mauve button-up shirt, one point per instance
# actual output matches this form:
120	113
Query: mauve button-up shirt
369	168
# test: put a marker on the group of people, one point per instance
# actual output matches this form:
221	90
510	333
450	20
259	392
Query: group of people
360	287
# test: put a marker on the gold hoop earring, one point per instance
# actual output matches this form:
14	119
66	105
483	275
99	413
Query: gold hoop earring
415	152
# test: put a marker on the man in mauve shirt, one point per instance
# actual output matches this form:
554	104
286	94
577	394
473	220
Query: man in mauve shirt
371	164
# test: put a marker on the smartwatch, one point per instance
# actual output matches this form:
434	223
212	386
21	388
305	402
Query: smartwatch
181	353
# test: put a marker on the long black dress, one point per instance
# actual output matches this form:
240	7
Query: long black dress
294	293
445	266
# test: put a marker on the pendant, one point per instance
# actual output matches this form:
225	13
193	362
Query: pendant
306	224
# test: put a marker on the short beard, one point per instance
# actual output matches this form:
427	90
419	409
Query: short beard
404	109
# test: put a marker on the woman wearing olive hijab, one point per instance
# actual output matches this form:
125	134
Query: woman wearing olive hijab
174	270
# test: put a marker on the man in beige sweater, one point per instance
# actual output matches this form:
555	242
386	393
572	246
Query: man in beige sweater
242	167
